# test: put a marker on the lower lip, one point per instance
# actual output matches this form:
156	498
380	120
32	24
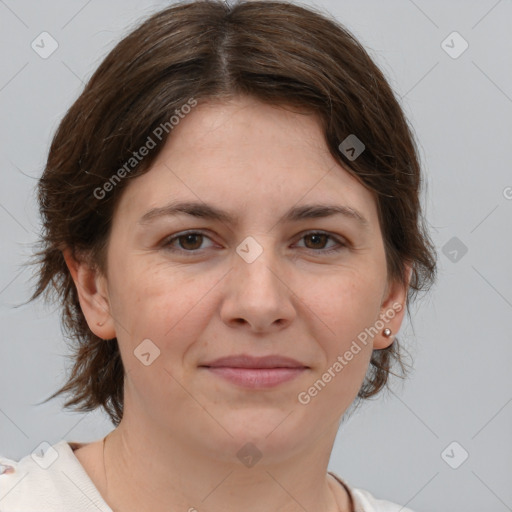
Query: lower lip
256	377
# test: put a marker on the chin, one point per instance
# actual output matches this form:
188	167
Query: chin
272	431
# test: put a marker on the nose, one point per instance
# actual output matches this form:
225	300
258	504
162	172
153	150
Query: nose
257	295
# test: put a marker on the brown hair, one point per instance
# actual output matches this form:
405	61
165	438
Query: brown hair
281	54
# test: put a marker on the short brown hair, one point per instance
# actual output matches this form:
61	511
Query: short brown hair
277	52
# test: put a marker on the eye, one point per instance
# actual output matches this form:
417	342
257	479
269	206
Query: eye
190	242
318	239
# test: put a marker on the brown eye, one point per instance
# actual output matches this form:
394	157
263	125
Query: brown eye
318	240
191	241
186	243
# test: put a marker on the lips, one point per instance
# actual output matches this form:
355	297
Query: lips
246	361
255	372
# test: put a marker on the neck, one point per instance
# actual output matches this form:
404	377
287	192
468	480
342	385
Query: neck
159	472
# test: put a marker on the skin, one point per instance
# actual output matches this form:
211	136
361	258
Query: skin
176	446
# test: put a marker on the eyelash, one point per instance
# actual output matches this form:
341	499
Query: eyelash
167	243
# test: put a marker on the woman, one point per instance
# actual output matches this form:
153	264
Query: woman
232	225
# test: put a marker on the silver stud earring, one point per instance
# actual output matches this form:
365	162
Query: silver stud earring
386	332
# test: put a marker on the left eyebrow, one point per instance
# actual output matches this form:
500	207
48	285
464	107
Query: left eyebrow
295	214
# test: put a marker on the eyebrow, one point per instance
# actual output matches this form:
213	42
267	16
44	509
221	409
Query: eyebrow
295	214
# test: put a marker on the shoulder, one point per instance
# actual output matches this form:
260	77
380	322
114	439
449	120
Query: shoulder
368	503
364	501
49	480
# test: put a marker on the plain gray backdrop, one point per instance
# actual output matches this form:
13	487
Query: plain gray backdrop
459	101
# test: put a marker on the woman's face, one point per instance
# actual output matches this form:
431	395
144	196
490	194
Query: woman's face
269	278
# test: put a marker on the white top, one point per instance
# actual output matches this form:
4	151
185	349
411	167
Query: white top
53	480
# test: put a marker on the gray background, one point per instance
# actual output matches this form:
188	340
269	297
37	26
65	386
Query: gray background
460	339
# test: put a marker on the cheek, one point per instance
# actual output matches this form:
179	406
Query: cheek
346	303
169	309
161	304
344	315
346	307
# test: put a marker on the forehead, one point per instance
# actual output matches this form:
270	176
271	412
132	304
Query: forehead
244	155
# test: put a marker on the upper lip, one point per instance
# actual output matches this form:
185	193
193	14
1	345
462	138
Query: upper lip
246	361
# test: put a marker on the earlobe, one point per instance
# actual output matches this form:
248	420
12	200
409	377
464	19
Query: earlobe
92	292
392	312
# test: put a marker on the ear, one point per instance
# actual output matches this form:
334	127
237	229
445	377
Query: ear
92	291
392	310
